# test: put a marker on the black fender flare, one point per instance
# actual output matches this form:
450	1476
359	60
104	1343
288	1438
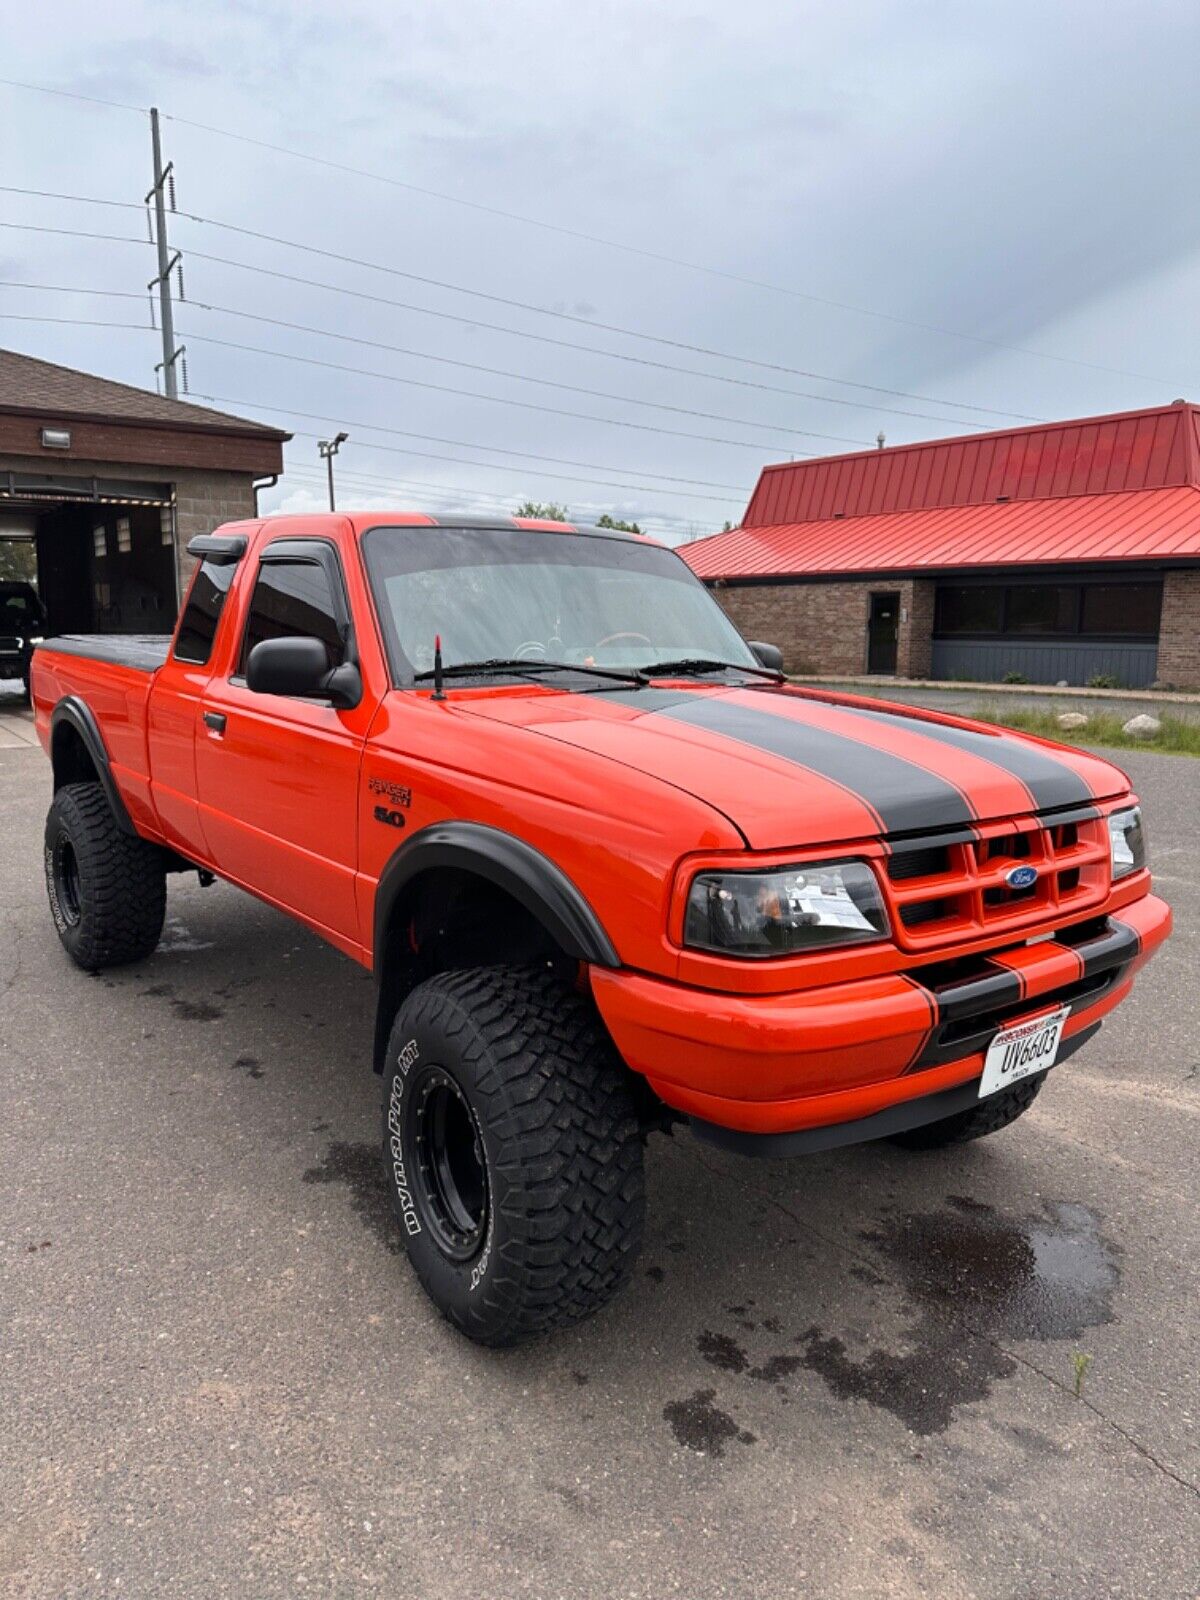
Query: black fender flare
532	879
75	713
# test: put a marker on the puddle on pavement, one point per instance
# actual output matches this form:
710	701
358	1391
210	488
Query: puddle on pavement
185	1010
973	1280
360	1168
703	1427
975	1277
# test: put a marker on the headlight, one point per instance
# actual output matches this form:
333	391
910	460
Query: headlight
1127	841
784	911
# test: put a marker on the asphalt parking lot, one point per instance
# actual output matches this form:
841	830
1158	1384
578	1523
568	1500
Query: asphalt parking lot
850	1375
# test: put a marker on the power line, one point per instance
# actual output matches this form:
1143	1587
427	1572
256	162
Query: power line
565	344
563	316
561	461
640	250
474	366
611	244
390	377
497	466
199	338
71	94
433	438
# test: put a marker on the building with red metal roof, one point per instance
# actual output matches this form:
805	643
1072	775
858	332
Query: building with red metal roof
1067	550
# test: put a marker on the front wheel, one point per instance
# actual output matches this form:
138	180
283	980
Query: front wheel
513	1152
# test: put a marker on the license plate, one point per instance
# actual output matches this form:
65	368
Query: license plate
1021	1050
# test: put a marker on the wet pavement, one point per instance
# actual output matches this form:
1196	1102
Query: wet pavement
873	1372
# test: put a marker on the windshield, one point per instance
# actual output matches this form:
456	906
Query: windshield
19	606
500	593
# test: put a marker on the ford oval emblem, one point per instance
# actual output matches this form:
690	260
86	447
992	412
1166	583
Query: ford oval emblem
1021	877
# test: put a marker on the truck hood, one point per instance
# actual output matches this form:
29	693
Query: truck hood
791	767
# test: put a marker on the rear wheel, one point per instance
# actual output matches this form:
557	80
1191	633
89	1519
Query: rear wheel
107	888
989	1116
512	1150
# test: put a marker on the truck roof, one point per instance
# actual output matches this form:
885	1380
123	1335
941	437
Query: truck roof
362	521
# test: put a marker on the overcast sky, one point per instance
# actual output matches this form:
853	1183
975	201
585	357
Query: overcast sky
958	178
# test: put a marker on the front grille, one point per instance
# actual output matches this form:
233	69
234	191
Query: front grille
958	888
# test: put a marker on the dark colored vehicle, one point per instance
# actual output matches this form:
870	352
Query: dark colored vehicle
22	624
610	870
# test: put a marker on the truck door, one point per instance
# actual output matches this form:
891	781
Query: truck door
277	776
173	714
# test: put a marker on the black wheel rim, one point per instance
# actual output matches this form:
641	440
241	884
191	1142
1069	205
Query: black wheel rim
70	890
451	1171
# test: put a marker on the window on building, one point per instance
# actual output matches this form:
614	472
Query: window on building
970	608
100	539
124	535
294	599
1121	608
198	625
1041	608
1049	610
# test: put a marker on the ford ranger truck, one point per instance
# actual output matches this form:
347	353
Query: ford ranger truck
610	869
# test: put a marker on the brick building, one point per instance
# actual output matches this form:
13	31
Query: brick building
1063	551
110	482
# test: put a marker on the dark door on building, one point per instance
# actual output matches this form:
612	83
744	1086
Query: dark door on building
883	632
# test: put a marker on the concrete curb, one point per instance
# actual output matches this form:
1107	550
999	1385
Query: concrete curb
1050	691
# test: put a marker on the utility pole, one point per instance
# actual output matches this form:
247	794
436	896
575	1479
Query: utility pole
166	262
327	449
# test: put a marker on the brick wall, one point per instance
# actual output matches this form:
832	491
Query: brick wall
916	633
204	500
1179	632
822	627
138	444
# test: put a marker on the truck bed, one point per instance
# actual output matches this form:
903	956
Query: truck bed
144	652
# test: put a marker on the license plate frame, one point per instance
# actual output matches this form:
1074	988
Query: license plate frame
1021	1049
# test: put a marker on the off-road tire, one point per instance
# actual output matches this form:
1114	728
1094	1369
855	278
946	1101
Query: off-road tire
558	1142
989	1116
110	909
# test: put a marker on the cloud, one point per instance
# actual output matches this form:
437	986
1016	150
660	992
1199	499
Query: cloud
1018	178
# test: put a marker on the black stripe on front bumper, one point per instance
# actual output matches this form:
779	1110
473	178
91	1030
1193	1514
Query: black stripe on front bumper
970	1010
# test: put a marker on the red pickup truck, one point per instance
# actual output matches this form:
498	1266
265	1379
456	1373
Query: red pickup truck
610	869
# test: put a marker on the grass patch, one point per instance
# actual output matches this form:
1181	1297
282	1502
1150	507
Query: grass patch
1104	728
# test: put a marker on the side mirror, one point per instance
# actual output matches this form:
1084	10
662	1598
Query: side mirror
300	667
769	655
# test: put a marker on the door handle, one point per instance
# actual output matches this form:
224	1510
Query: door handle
215	720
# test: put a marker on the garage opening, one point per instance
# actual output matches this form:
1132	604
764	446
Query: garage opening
102	552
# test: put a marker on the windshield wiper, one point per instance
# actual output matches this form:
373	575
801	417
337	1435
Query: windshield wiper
695	666
519	667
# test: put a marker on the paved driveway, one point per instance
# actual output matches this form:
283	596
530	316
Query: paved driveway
851	1375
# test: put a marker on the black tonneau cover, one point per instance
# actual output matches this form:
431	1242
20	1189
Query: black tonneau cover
144	652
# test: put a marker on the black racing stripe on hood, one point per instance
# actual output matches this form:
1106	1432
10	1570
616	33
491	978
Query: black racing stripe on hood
1050	782
903	795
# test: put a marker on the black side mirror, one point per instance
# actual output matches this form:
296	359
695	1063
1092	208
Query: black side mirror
300	667
769	655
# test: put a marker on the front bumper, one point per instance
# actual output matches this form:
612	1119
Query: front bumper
844	1052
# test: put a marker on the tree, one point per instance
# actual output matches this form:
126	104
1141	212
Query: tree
615	522
18	559
548	511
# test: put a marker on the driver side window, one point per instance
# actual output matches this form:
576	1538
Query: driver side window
293	599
